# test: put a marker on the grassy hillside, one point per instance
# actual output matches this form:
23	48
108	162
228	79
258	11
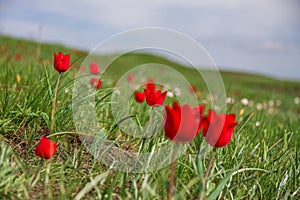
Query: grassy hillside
261	161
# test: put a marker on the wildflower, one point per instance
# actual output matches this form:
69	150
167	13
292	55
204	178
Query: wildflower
150	86
139	97
271	103
278	102
170	94
264	105
229	100
8	57
18	77
18	57
130	78
154	97
96	83
45	148
94	68
242	112
244	101
182	123
218	128
61	62
3	49
259	106
297	100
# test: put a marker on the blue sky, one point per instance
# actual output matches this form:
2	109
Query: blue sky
243	35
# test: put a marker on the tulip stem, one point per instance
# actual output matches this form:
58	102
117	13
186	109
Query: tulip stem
172	175
150	119
208	170
146	133
210	164
54	105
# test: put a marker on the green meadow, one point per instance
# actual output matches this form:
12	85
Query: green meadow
260	162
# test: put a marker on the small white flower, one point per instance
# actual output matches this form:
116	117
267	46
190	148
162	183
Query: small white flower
244	101
271	103
264	105
278	102
257	123
259	106
229	100
170	94
297	100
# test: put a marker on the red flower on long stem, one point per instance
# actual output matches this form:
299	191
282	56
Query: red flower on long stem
94	68
45	148
154	97
218	128
96	83
139	97
182	123
61	62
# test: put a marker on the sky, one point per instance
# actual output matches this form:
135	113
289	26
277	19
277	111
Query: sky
243	35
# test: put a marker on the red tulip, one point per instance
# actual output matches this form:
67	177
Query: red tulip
45	149
130	78
150	86
18	57
182	123
96	83
218	128
61	62
154	97
94	68
139	97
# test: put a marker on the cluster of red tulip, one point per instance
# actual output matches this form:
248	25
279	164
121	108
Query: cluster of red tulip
183	122
95	70
153	97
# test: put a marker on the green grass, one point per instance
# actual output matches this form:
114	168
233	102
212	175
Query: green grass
261	161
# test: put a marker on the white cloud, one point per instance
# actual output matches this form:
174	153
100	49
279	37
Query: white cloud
272	45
